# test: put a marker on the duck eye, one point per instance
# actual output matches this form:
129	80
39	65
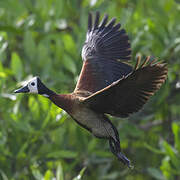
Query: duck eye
32	83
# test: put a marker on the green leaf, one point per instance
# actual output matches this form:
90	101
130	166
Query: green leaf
2	73
69	44
132	129
19	124
59	172
79	176
171	153
167	169
16	66
155	173
62	154
34	106
176	132
21	153
36	173
3	175
157	151
44	103
29	45
48	175
103	153
69	64
1	67
91	145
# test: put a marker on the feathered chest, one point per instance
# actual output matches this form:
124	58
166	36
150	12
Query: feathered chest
86	117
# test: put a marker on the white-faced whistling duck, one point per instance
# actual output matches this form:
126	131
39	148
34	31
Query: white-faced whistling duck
107	84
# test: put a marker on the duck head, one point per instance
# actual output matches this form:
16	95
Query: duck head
35	86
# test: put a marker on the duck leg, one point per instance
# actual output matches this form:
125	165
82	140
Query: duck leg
116	150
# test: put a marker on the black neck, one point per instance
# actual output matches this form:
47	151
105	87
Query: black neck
43	90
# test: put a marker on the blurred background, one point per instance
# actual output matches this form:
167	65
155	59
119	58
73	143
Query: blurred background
40	141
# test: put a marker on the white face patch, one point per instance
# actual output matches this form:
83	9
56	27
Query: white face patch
32	85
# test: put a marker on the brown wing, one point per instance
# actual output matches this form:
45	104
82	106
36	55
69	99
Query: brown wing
129	94
105	45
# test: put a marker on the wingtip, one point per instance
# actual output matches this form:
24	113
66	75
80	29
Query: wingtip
89	21
97	13
96	22
111	22
137	62
104	21
161	64
149	62
145	61
112	42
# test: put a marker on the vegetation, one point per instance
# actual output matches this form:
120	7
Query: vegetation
39	140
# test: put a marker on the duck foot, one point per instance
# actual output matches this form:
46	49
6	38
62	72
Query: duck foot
116	150
123	159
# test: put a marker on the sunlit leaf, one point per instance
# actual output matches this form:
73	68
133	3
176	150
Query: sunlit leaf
16	66
69	44
172	154
48	175
36	173
59	172
34	106
80	174
176	131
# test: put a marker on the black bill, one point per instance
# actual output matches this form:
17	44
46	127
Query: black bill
24	89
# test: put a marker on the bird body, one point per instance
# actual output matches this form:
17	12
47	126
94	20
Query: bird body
107	83
96	123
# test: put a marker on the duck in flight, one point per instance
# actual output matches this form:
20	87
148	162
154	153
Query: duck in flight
107	83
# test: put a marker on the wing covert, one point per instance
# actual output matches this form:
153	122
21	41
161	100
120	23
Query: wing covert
96	75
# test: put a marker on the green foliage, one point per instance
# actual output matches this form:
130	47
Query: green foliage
39	140
171	162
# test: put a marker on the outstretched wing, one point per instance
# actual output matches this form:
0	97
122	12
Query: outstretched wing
106	44
130	93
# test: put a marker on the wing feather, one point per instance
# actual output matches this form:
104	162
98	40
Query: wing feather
100	37
106	44
129	94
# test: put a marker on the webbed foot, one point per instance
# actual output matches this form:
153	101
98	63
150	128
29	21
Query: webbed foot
116	150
